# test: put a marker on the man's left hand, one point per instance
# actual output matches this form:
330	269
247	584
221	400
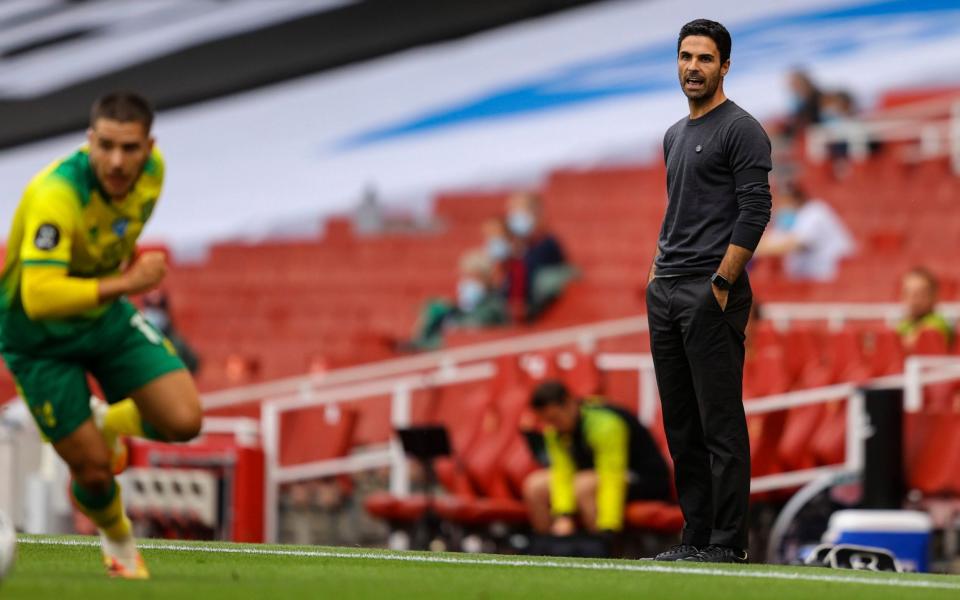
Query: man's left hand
721	295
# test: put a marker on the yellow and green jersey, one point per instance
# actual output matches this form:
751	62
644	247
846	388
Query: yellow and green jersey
65	219
611	442
935	321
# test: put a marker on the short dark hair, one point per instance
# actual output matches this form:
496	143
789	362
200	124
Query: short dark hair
711	29
125	107
926	274
549	393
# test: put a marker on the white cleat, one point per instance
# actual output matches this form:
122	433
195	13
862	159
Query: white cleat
122	559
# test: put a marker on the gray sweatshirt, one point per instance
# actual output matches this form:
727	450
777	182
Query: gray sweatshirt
717	189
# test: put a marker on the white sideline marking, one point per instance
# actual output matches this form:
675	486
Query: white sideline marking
519	562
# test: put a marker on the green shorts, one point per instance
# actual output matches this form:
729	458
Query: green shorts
121	350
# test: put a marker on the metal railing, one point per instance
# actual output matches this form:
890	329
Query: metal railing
400	389
837	314
934	125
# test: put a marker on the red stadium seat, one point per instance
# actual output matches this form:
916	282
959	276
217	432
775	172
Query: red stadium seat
794	450
829	442
936	469
314	434
885	355
765	373
652	515
580	373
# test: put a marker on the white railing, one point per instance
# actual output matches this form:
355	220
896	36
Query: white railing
391	454
924	370
837	314
401	388
649	405
934	125
245	431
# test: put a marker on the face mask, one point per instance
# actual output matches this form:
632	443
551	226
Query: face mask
157	317
470	293
498	248
520	223
786	218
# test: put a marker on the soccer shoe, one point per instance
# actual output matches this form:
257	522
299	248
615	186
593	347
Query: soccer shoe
122	559
119	455
678	552
719	554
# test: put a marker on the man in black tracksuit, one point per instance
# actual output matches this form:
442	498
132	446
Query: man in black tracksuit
698	297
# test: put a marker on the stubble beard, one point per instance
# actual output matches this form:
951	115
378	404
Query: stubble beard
705	95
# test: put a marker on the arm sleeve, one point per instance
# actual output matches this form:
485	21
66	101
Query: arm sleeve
46	290
610	440
748	149
48	293
563	500
666	144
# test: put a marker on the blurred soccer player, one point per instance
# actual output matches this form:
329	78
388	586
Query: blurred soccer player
63	314
698	296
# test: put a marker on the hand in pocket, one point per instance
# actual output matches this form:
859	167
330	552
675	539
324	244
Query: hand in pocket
721	296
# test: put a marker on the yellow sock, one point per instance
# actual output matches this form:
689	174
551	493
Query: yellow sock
123	418
105	511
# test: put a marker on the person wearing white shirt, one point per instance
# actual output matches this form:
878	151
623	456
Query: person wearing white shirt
808	234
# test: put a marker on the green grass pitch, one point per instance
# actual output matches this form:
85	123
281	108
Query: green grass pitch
64	568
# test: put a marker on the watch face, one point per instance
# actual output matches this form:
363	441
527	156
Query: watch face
720	282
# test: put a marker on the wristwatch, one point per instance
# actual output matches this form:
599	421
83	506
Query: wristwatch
720	281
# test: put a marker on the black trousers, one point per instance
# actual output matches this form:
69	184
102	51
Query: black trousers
698	358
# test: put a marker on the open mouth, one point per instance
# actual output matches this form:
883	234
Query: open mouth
694	83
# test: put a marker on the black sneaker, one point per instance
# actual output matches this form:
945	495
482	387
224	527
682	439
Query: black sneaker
678	552
719	554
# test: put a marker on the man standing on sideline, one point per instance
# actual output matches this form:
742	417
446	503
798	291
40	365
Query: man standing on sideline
698	296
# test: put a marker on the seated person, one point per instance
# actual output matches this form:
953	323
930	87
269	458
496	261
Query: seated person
505	252
478	305
808	234
545	263
601	457
919	293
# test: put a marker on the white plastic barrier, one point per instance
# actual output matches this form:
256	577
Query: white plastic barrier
185	496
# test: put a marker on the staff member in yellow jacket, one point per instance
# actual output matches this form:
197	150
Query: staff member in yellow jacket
64	314
600	456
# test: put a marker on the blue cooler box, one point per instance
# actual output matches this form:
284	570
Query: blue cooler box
905	533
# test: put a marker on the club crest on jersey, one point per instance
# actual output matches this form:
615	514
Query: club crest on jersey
120	226
47	238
